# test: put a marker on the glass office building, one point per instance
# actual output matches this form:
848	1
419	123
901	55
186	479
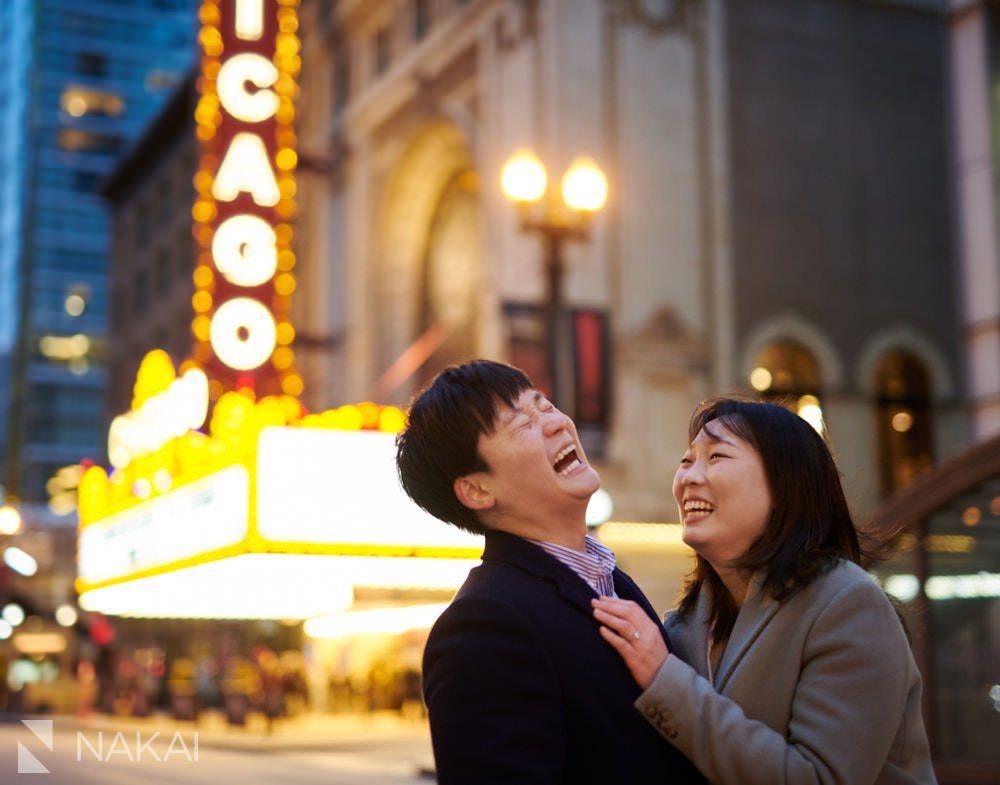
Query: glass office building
84	77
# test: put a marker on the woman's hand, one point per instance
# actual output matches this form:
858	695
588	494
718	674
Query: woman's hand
635	636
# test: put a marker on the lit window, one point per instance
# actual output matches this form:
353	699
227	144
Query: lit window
787	373
903	409
77	101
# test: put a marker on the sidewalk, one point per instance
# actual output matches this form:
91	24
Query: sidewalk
310	732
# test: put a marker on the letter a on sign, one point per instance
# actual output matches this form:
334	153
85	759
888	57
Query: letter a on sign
246	168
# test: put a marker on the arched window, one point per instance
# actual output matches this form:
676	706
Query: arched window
786	372
903	413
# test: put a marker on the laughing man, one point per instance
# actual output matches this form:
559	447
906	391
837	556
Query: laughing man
520	686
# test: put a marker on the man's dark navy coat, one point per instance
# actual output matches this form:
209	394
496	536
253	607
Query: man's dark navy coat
522	689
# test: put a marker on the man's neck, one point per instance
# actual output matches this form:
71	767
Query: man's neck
570	535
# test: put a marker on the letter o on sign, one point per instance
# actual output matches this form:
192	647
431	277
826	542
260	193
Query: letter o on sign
242	333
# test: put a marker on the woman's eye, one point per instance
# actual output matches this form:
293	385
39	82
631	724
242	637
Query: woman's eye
715	455
685	461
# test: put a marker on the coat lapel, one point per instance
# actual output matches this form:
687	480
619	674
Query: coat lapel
756	612
626	589
501	546
689	634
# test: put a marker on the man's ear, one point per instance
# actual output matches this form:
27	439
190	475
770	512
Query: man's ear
473	492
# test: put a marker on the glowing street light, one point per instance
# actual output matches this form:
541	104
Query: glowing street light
10	520
523	178
584	191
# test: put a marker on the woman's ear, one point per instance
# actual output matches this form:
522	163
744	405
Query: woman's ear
473	492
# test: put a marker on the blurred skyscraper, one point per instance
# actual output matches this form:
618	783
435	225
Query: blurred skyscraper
83	79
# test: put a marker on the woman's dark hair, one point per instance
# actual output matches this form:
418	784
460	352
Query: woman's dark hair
440	441
810	525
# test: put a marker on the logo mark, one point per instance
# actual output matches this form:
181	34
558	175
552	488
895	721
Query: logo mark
27	763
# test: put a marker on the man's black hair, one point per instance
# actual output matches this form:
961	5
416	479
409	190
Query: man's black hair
440	441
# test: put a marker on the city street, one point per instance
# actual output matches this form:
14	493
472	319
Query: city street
96	754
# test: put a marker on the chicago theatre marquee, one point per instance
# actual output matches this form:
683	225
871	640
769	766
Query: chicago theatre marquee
226	498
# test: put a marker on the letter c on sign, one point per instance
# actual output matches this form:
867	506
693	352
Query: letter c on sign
242	333
232	85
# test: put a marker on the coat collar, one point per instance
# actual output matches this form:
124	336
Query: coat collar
691	634
509	548
756	612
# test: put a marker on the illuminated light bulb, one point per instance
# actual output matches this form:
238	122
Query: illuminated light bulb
75	104
162	480
584	186
523	177
5	630
391	420
808	409
201	327
284	284
285	333
292	384
902	421
201	301
66	615
79	345
234	75
74	305
599	508
244	250
349	418
761	379
369	414
249	19
203	276
13	614
286	159
10	520
142	488
20	562
282	358
246	167
243	333
203	181
203	211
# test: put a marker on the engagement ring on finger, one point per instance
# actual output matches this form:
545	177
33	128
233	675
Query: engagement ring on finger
636	635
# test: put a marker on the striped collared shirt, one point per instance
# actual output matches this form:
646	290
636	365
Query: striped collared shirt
594	567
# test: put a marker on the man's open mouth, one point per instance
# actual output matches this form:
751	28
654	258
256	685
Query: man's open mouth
566	460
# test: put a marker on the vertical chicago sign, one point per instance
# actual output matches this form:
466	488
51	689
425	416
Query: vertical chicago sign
245	200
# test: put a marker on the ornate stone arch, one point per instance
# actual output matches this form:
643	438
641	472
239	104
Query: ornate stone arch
791	326
436	155
906	338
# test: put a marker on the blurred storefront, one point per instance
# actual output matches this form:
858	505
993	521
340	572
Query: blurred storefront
945	572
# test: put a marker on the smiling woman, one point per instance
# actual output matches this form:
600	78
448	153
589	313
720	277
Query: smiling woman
787	663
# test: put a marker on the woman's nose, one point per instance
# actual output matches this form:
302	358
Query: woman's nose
693	474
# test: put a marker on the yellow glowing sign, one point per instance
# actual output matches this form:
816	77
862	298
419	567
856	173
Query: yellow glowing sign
164	407
246	194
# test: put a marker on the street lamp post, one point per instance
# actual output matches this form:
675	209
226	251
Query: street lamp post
584	191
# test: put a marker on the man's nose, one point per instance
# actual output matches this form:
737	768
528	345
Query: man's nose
554	421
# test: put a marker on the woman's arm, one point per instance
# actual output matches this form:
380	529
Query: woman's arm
847	707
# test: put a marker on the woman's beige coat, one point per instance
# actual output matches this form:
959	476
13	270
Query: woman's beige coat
822	688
